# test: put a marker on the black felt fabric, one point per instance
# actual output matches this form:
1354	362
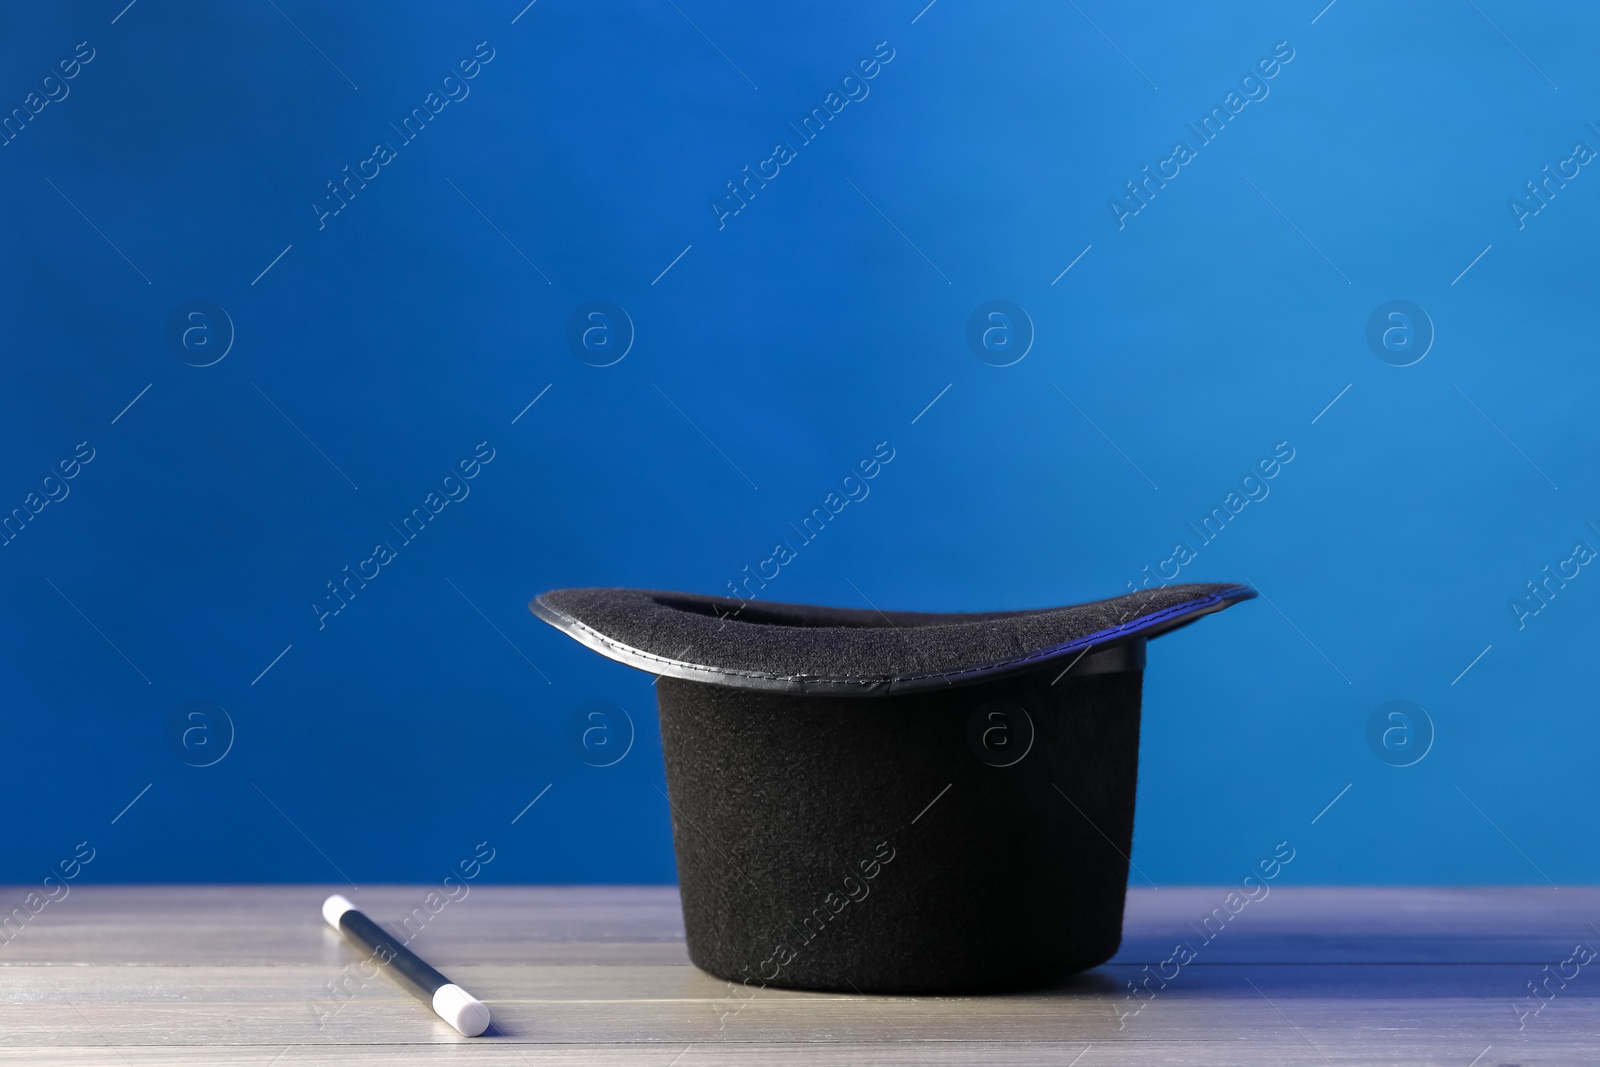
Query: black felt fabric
784	806
826	841
843	651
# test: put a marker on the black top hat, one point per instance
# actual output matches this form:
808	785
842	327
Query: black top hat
900	802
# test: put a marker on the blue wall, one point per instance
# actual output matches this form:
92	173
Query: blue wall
372	343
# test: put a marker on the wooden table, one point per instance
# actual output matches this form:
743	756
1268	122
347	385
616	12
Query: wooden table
242	975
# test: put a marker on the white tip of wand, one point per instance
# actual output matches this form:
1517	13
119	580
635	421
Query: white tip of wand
461	1010
334	908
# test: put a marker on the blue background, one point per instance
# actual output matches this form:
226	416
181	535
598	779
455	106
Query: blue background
773	353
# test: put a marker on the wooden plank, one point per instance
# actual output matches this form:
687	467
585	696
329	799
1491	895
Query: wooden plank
1266	1050
191	975
643	924
170	1005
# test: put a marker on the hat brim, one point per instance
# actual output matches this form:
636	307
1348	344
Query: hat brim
800	648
